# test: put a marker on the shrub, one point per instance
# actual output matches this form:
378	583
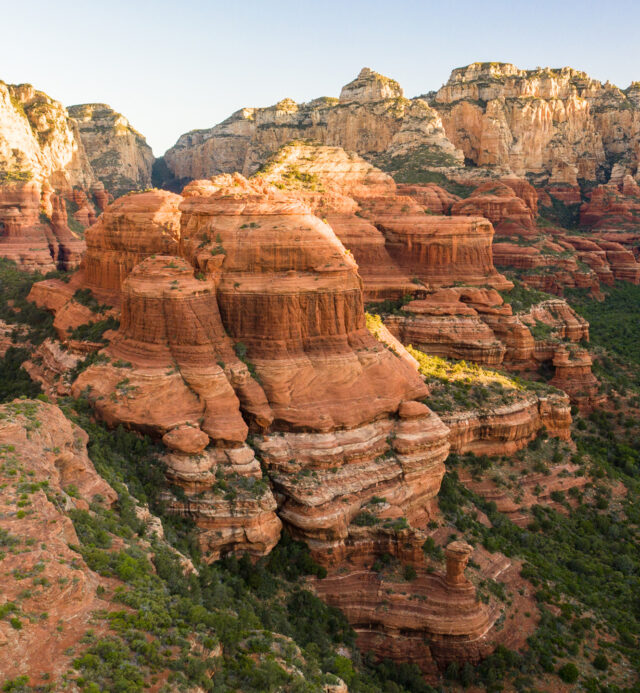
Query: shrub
569	672
600	662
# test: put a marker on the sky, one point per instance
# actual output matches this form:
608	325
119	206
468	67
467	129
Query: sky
171	67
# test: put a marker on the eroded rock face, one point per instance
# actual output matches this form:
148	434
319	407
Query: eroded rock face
371	117
500	204
614	206
443	325
49	180
38	141
510	427
129	230
120	157
392	236
333	413
30	238
502	116
290	293
435	250
36	438
573	375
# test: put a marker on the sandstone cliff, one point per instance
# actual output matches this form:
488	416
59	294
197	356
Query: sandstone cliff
256	324
58	172
119	155
372	117
557	126
38	140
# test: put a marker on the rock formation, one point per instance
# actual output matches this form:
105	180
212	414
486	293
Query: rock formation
256	323
54	168
371	117
391	236
498	203
119	155
32	242
508	118
129	230
573	375
443	325
556	126
38	141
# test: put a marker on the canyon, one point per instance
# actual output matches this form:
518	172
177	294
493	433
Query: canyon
353	324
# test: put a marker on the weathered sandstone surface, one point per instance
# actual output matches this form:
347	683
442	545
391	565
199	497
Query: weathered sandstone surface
33	240
38	140
555	125
53	172
499	203
36	439
255	323
119	155
392	236
372	117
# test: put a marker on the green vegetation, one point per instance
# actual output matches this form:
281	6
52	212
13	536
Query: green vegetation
584	563
94	331
522	298
615	322
388	306
241	352
456	385
15	175
86	298
72	222
260	613
15	285
417	167
561	214
14	380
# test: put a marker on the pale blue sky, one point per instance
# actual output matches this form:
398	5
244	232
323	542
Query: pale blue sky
174	66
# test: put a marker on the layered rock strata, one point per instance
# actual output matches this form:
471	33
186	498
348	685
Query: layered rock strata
332	412
371	117
508	428
30	238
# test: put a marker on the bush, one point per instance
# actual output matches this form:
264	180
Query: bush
600	662
569	672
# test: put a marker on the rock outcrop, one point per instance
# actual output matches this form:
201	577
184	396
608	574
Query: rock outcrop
119	155
128	231
499	203
38	141
444	325
391	235
53	172
30	238
372	117
256	324
555	125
